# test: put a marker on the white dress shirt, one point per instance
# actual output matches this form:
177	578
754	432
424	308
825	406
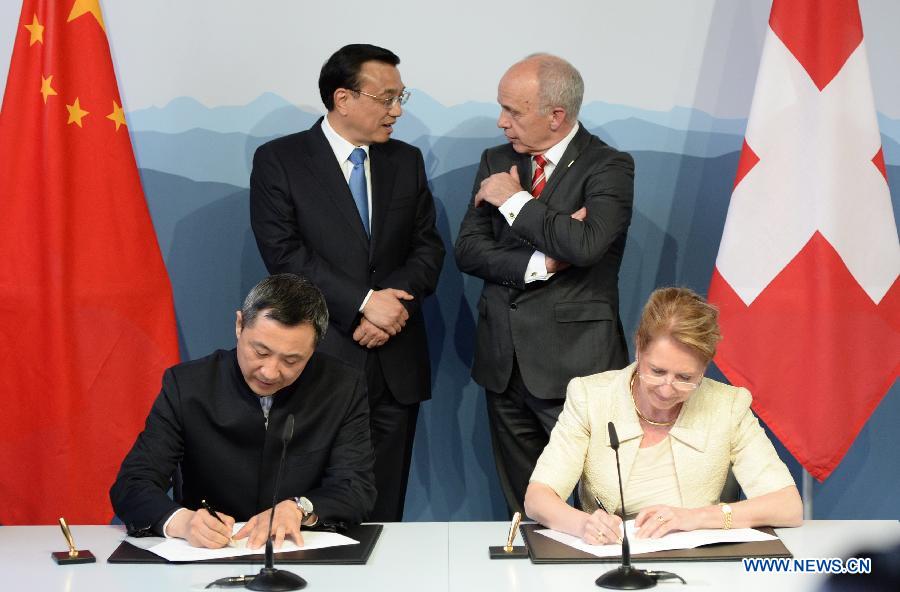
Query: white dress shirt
537	265
342	149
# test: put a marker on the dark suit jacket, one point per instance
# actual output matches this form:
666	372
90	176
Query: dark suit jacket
306	222
568	325
207	419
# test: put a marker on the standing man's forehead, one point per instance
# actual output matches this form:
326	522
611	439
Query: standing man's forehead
381	73
524	70
519	82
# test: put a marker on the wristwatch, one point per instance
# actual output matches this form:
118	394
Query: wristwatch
306	508
726	516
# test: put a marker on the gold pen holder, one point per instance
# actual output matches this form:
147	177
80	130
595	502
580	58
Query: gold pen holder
508	551
511	552
73	555
66	557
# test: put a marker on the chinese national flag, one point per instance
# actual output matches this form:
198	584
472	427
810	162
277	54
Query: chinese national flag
86	317
806	276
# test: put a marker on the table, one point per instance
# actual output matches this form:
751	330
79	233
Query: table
415	556
470	570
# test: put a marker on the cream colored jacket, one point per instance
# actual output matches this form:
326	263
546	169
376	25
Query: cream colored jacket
715	429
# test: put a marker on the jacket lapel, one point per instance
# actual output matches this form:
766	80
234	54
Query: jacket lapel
689	447
573	150
628	427
326	170
523	162
383	173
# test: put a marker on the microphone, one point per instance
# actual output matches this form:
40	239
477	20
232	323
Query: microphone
624	577
270	579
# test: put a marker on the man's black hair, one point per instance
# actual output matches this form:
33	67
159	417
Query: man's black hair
342	68
288	299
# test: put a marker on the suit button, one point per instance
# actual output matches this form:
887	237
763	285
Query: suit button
371	271
513	306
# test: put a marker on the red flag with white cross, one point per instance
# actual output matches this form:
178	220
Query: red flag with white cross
87	322
806	275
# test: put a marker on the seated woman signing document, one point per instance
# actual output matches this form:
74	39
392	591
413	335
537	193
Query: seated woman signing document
679	434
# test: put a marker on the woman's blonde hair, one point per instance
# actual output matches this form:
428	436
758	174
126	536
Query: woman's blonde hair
684	316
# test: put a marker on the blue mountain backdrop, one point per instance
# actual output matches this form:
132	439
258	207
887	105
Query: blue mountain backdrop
195	167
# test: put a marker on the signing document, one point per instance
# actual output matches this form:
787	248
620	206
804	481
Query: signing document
180	550
669	542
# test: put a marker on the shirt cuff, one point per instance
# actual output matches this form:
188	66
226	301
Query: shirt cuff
537	268
510	208
169	519
365	300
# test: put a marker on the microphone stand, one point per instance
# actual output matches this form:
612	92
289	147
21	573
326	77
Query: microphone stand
624	577
270	579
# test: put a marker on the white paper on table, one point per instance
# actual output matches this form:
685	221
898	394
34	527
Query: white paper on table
673	540
180	550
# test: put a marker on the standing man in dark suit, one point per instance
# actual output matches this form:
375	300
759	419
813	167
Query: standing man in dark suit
549	255
350	208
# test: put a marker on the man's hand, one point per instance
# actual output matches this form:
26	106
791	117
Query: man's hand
555	265
498	188
368	335
385	311
200	529
286	523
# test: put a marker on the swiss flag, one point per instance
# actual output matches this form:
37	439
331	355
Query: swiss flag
806	276
87	324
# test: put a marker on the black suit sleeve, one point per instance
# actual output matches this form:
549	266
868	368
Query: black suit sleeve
609	192
283	249
480	253
139	495
420	272
347	490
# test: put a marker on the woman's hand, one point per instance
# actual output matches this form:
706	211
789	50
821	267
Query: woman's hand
655	521
601	528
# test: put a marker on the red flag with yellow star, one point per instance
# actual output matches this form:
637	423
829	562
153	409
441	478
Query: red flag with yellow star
86	317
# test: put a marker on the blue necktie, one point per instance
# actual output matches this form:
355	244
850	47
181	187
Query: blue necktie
358	185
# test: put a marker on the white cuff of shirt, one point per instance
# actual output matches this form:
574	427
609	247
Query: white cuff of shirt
537	268
365	300
166	525
510	208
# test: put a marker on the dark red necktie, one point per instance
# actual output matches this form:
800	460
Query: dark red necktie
539	179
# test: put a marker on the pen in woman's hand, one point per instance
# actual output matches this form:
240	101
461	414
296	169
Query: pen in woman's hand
600	507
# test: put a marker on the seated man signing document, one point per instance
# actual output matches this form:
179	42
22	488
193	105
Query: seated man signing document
679	434
222	418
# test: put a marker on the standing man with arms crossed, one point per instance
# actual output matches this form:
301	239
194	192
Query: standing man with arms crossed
549	255
348	207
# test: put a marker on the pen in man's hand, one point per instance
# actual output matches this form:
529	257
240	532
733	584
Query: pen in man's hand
215	515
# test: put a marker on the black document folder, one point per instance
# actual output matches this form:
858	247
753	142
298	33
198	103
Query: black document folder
543	549
366	534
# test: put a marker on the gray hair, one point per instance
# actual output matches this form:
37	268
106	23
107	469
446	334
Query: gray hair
560	85
288	299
